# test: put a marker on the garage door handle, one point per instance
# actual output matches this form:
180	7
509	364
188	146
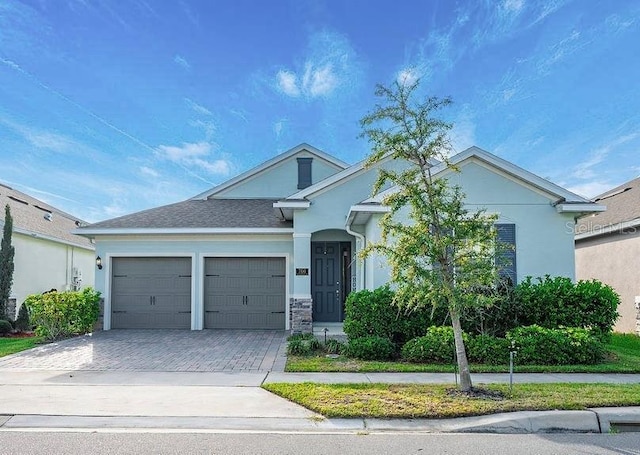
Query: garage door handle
209	275
277	312
118	311
184	276
277	276
182	312
210	311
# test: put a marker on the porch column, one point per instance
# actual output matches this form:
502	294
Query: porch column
301	302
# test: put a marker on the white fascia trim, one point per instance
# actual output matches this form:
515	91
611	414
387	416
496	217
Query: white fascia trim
301	235
580	208
272	162
608	229
128	231
301	296
37	235
292	204
503	165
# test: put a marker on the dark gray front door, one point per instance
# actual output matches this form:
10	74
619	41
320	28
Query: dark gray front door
325	281
151	293
244	293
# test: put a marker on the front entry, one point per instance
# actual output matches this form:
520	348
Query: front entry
330	279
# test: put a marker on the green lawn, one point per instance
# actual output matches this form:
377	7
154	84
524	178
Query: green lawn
624	357
437	401
13	345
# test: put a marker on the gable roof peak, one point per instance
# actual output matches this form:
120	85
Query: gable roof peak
303	146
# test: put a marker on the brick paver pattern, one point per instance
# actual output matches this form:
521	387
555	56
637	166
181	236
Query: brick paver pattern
158	350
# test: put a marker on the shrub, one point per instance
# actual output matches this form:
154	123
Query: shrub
563	346
60	314
370	348
303	344
487	349
5	327
495	320
373	313
556	302
22	322
437	346
333	346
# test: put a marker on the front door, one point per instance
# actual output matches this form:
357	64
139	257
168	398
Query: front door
326	285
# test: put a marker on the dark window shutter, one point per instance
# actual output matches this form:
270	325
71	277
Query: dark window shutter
506	257
304	172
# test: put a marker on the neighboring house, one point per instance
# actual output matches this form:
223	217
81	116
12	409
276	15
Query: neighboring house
276	247
47	255
608	249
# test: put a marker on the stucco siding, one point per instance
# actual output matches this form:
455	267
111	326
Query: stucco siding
280	180
614	260
376	266
41	265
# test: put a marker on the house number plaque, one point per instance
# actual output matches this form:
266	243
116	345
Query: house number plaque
302	272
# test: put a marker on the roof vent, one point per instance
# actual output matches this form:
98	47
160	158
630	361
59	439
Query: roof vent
48	216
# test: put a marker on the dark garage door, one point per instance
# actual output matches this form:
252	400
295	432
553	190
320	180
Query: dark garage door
151	293
244	293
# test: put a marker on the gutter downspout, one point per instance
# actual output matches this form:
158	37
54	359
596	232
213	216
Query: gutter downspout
363	241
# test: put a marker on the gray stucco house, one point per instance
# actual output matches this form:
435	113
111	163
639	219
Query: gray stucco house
276	247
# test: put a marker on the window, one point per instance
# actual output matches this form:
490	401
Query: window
304	172
506	257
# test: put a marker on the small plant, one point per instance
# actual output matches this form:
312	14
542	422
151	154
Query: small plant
371	348
334	346
488	350
303	344
22	322
5	327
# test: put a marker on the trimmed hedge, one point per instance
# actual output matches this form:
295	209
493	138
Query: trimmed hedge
60	314
5	327
556	302
487	349
370	348
437	346
537	345
373	313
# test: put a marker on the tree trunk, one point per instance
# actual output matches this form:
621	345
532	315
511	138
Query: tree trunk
461	352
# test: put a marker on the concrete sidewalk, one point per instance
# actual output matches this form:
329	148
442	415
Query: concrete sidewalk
235	402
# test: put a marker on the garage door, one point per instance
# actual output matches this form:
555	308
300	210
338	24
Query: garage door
151	293
244	293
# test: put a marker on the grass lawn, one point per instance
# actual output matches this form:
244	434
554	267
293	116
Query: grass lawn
13	345
436	401
624	357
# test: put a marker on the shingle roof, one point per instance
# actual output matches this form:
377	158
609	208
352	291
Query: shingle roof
623	205
36	217
208	213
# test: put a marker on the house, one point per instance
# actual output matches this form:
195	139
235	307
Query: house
47	255
608	249
276	247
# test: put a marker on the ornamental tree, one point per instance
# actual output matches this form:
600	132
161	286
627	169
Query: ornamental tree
7	252
446	254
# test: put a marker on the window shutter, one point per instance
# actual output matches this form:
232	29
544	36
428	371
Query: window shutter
506	257
304	172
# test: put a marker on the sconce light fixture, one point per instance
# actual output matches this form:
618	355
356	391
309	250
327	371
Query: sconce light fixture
99	263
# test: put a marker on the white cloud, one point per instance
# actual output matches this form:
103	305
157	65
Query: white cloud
194	155
149	172
514	6
279	126
331	63
463	133
591	189
585	169
288	83
200	109
408	76
181	61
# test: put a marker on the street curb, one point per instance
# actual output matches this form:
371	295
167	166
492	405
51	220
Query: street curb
597	420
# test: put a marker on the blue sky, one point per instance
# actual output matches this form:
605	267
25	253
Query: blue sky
112	106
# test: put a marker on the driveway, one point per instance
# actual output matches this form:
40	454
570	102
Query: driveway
159	350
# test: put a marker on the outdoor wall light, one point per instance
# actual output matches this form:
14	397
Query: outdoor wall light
99	263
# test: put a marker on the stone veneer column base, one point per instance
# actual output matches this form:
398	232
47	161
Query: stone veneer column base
301	315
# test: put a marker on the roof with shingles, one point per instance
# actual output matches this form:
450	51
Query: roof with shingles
198	213
623	205
30	216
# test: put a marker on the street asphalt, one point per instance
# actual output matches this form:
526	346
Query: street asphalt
234	401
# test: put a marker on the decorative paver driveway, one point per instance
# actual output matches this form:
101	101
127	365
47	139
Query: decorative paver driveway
158	350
